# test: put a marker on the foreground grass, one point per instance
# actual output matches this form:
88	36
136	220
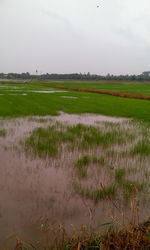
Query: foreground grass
131	237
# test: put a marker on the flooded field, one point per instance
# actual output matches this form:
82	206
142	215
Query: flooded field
70	169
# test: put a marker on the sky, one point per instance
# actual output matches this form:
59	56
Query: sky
73	36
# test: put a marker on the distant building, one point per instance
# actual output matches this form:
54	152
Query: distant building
146	73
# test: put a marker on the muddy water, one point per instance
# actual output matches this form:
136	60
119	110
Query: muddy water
32	189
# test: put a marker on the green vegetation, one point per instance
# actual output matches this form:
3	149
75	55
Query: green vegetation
52	103
130	186
93	136
122	86
3	132
141	148
98	194
119	174
45	141
82	164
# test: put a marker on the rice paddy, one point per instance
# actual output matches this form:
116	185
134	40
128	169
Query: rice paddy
76	169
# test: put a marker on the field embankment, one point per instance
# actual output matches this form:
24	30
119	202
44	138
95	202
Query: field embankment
97	91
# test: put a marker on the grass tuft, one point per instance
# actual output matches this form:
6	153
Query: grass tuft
142	148
98	194
3	132
129	187
81	165
119	174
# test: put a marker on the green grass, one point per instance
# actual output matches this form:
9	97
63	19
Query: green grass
120	174
122	86
92	136
98	194
82	164
141	148
46	141
130	186
51	104
3	132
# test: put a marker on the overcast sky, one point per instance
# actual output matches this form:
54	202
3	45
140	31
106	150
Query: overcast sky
65	36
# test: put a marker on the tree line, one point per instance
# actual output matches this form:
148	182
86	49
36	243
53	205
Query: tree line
74	76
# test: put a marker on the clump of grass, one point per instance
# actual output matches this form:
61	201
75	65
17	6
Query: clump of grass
84	161
81	165
99	160
46	141
142	148
91	136
120	174
3	132
129	186
96	137
132	237
98	194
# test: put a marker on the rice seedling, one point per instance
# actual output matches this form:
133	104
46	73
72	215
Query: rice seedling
141	148
46	141
3	132
128	187
99	160
97	194
120	174
96	137
81	165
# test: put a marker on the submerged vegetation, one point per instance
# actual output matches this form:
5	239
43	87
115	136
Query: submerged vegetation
142	148
46	141
3	132
95	144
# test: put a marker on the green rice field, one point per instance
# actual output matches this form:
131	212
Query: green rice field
21	100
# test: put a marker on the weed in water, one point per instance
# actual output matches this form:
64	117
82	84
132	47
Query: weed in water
83	162
99	160
98	194
81	165
142	148
119	174
129	186
3	132
46	141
